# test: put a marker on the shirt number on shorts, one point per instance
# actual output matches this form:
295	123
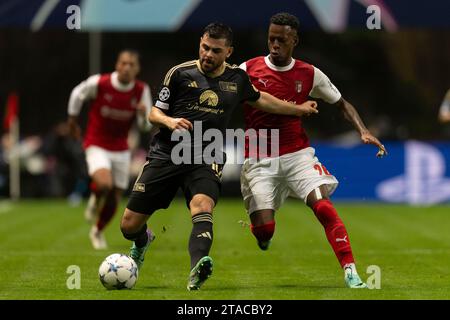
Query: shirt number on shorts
322	170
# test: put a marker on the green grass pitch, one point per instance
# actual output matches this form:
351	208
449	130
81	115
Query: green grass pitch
411	245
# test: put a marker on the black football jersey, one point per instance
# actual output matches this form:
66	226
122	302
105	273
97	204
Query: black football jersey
206	102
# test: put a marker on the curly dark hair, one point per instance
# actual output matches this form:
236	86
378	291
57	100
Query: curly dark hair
286	19
217	30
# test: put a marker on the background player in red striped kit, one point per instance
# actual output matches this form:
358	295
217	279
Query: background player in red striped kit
117	99
296	172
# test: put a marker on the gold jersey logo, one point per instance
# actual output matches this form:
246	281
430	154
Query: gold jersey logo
210	98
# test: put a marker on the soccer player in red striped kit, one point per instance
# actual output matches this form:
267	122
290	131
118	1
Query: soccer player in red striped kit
117	99
267	182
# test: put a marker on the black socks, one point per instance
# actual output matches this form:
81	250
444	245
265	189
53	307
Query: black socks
140	238
201	237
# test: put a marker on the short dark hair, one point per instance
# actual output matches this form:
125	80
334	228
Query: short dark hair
217	30
132	52
286	19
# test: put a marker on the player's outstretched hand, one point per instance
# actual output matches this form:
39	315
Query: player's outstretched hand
368	138
307	108
179	124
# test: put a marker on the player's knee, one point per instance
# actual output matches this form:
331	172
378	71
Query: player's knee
125	228
264	232
104	187
128	226
102	181
129	230
317	195
132	222
131	233
200	203
261	217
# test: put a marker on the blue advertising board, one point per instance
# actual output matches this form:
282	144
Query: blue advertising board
414	172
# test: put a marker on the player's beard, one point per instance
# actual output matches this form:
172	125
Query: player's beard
208	67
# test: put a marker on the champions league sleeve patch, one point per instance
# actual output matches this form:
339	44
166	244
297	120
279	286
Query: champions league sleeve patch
164	94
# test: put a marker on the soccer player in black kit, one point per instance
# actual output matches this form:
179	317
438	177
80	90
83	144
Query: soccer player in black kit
205	90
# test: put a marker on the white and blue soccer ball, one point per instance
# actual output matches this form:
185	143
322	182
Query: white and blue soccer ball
118	271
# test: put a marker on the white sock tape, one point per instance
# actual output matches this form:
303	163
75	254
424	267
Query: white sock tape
318	194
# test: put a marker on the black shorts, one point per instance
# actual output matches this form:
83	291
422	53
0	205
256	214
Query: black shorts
159	181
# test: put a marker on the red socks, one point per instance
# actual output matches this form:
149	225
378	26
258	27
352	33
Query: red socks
335	230
108	209
93	188
264	232
107	212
